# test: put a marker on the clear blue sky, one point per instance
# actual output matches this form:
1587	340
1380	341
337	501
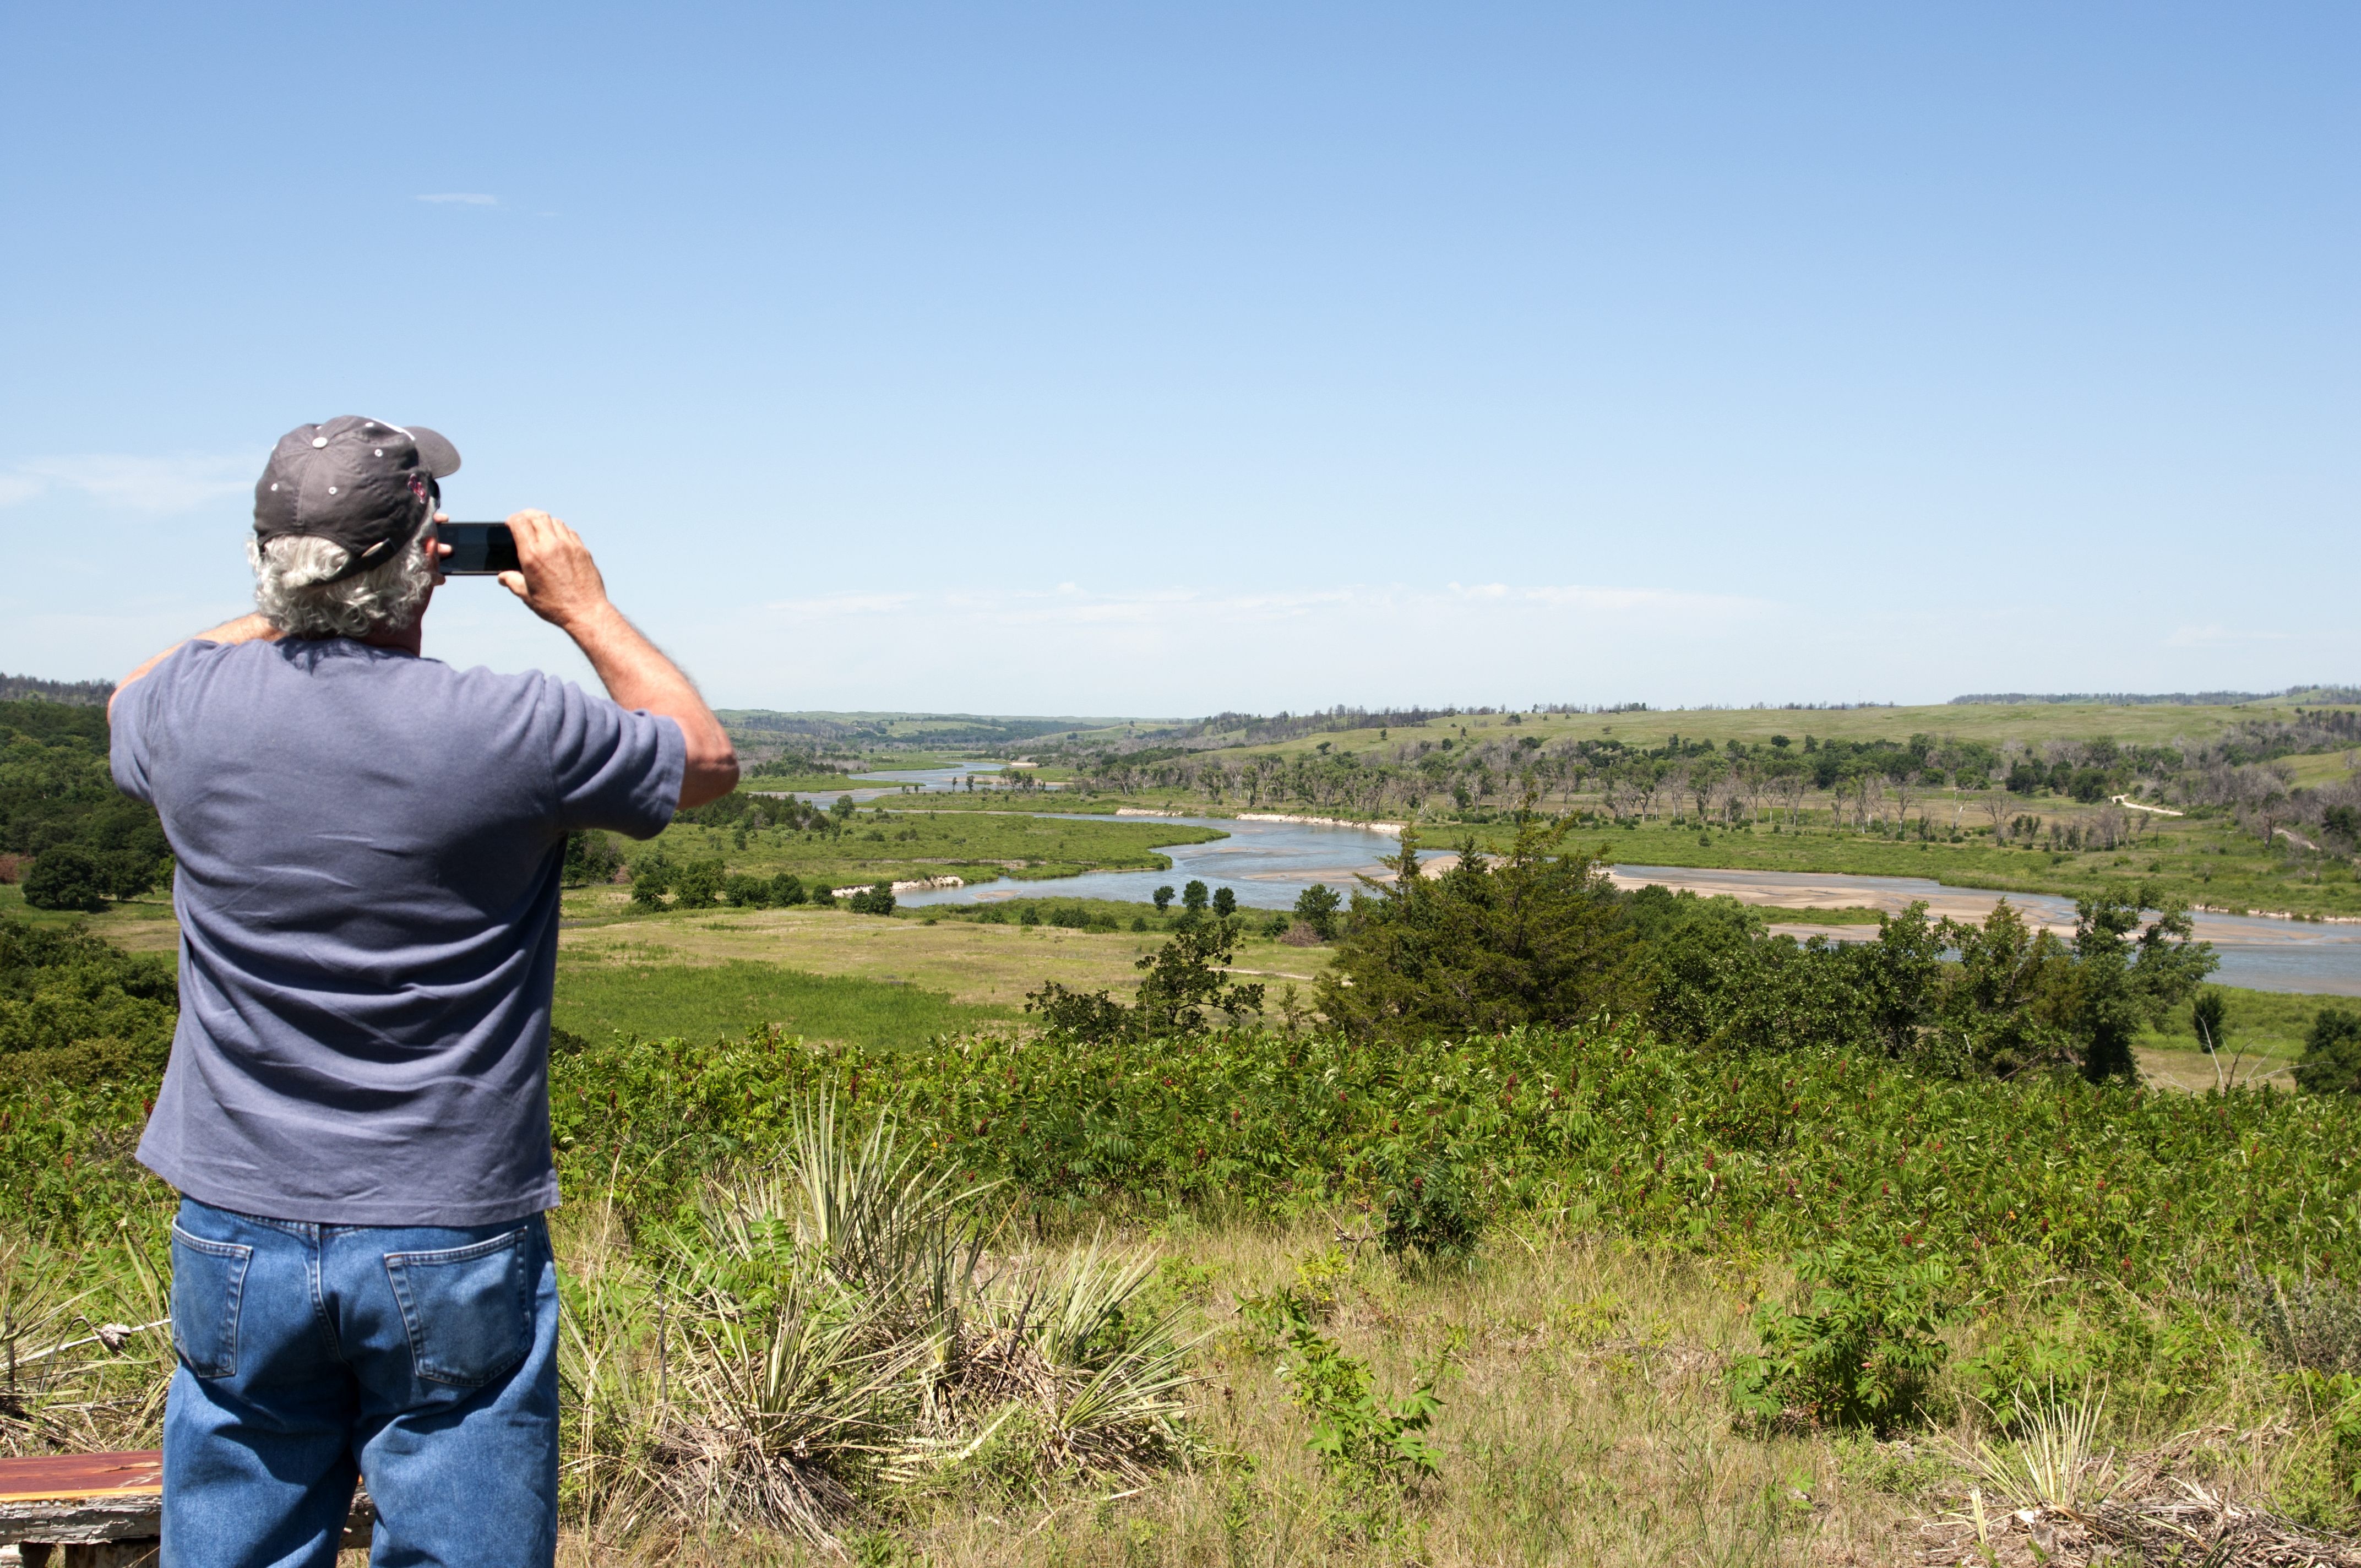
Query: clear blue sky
1126	360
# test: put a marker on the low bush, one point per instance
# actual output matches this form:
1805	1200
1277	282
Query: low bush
1866	1346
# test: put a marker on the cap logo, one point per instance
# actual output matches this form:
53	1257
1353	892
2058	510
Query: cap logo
319	441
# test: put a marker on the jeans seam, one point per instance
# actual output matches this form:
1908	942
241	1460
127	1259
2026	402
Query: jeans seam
315	1268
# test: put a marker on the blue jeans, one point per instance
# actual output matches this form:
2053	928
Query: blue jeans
422	1359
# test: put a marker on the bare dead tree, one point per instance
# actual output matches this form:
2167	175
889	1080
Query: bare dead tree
1905	785
1997	808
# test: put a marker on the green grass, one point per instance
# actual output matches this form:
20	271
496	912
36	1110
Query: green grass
706	1001
897	845
2260	1023
2197	861
109	922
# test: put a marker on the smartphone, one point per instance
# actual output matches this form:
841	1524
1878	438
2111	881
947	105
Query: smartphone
477	549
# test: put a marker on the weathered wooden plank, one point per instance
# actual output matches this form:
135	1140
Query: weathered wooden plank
84	1519
50	1477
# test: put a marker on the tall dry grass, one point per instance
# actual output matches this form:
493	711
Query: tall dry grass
844	1357
1583	1421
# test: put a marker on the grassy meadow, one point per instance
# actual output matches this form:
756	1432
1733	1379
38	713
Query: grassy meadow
859	1266
893	842
1275	1298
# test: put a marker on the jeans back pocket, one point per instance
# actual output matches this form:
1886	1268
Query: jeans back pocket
468	1310
208	1278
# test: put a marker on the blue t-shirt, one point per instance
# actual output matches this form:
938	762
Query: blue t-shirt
370	848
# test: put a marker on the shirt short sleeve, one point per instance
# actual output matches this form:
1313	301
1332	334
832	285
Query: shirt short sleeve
130	755
614	768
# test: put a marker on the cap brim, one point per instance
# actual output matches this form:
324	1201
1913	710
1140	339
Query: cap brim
437	455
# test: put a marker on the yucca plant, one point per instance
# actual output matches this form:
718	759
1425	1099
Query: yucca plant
887	1219
1057	1356
825	1329
785	1409
2053	1463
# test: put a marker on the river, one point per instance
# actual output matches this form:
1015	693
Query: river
865	787
1268	863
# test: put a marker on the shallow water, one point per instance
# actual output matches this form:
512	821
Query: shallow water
1268	863
1265	863
864	787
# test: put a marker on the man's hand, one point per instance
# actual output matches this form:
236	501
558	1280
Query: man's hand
561	584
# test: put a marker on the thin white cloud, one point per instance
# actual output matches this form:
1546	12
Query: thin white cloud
154	485
464	198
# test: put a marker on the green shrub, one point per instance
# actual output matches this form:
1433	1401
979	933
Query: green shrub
1431	1207
1864	1353
2157	1362
591	857
2331	1053
1317	907
1364	1441
697	884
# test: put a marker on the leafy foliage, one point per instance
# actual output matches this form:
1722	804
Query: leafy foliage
1362	1440
1867	1348
1184	983
56	793
591	857
2016	999
1317	907
2158	1360
76	1009
875	899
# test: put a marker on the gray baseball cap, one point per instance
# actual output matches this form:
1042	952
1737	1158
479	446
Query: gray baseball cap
365	484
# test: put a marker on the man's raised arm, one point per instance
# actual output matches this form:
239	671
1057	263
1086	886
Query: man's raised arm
245	629
561	584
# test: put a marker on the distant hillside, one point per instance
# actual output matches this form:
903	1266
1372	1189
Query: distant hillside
77	694
2328	694
926	730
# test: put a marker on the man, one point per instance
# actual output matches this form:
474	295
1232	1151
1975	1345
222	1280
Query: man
356	1108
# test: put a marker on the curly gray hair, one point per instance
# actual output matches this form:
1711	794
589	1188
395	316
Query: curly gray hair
290	592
